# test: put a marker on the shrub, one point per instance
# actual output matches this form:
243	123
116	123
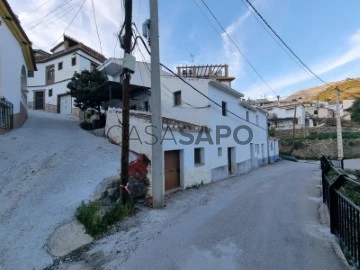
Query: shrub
96	220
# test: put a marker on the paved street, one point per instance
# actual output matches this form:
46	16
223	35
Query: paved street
267	219
47	168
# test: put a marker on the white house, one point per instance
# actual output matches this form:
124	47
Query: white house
16	60
282	116
48	86
204	142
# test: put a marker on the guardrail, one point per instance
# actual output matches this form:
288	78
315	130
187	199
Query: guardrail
6	114
344	213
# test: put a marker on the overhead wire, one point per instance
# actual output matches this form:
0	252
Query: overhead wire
69	23
96	26
238	48
284	43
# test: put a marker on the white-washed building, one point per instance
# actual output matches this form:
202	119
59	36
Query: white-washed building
203	142
48	85
16	60
282	116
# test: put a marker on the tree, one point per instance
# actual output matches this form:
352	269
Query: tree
355	111
82	84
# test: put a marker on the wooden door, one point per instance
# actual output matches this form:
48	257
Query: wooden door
39	100
172	169
229	161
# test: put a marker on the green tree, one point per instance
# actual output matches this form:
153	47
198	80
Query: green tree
355	111
82	84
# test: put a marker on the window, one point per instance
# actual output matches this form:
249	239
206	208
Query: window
60	66
93	66
50	74
146	106
219	152
247	116
257	120
73	61
50	93
177	98
199	156
315	112
30	74
224	108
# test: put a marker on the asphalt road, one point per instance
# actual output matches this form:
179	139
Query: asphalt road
267	219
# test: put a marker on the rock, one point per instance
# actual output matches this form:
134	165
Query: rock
111	191
68	238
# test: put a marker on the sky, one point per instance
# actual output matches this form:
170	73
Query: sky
324	34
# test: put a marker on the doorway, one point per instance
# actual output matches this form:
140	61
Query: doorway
39	100
172	169
231	160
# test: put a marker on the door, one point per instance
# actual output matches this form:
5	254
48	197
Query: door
172	169
229	161
65	104
252	156
39	100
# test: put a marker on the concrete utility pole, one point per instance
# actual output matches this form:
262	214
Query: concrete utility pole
125	98
158	185
338	127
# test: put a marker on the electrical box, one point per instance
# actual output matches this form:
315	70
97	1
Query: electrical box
129	63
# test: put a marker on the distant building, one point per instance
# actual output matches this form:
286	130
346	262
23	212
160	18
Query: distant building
16	61
285	116
48	86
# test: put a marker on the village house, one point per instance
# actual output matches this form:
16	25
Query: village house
287	115
16	60
202	142
48	86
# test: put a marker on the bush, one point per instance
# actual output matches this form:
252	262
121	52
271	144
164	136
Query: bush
92	216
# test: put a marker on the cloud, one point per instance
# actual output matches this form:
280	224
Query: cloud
279	84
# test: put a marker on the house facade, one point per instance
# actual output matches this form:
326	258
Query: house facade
283	116
202	141
16	60
48	85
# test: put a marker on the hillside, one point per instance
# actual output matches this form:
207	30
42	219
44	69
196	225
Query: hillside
350	89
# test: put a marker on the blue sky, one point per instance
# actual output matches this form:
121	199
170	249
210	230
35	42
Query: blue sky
325	34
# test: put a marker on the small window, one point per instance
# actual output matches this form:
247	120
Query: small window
30	74
50	74
50	93
199	156
73	61
315	112
224	108
219	152
146	106
247	116
177	98
60	66
257	120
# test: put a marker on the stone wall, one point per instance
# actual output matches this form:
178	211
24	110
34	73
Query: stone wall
303	132
314	149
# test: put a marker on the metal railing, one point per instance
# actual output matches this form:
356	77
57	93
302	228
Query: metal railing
6	114
344	213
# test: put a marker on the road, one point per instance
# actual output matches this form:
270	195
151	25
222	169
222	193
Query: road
267	219
47	168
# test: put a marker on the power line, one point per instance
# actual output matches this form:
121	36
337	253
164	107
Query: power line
54	10
36	9
69	23
277	41
97	30
56	17
283	42
237	47
218	32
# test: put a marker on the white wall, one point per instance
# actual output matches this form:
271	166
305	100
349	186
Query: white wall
140	142
11	63
62	77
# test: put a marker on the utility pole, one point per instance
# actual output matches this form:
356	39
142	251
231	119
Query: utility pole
125	98
338	127
158	188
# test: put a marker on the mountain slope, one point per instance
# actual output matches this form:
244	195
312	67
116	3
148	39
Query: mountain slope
349	89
